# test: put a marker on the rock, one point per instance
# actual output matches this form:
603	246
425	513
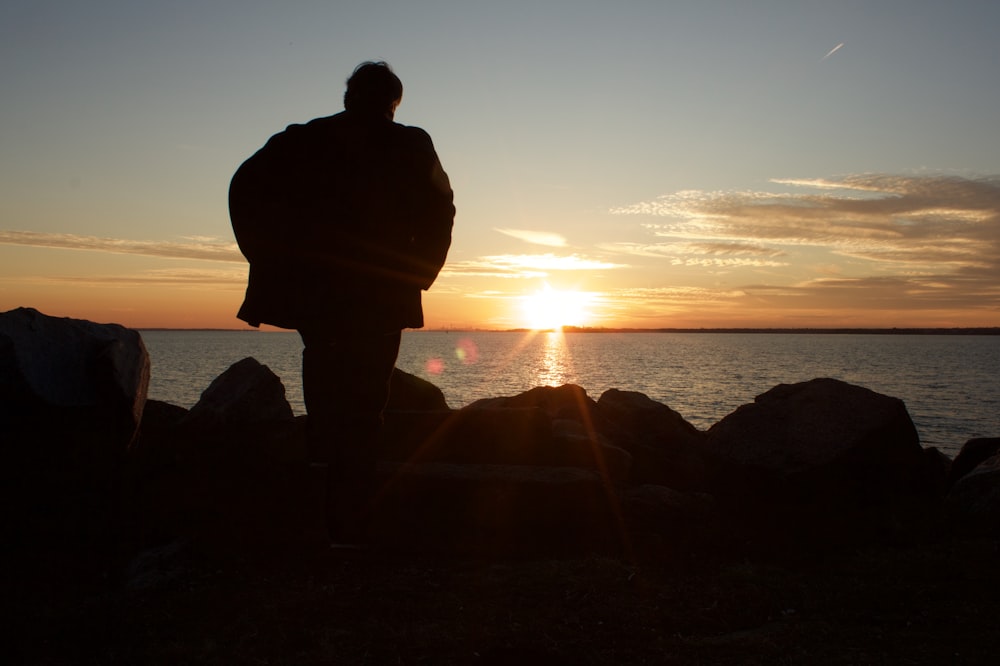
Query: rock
669	518
576	445
973	453
496	432
72	393
70	376
822	440
568	401
409	392
666	449
155	567
159	415
937	472
247	393
480	436
975	497
496	510
491	510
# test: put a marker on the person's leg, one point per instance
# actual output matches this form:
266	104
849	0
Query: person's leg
346	387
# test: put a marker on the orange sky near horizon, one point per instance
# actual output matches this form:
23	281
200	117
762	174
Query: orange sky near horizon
175	305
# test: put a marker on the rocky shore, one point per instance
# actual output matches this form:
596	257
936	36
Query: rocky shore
809	525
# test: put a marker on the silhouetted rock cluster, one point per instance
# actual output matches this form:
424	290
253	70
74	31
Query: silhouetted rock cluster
813	464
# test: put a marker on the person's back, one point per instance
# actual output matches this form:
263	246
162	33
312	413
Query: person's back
345	220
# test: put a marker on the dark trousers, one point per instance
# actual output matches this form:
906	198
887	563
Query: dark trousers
345	382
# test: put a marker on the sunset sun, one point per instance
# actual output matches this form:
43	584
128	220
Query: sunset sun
550	308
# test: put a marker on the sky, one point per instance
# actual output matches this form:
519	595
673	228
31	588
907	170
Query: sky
615	164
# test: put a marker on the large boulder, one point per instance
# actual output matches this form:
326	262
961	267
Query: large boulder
496	510
579	445
72	394
409	392
485	433
246	394
547	426
974	452
669	522
666	449
61	376
975	498
479	436
823	441
568	401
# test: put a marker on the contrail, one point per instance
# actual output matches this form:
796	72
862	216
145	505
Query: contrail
834	50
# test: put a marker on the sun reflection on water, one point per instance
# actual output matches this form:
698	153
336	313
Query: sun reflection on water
555	365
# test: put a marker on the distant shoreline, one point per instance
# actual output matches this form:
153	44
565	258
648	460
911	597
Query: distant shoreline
994	330
840	331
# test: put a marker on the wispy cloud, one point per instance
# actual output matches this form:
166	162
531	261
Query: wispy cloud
524	265
203	248
234	278
720	254
933	241
546	238
931	221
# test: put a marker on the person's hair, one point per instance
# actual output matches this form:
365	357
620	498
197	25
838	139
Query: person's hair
373	88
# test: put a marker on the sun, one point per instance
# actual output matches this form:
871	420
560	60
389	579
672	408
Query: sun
550	308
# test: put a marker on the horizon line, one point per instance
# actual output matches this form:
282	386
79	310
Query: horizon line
898	330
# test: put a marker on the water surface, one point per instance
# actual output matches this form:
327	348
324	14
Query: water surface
948	382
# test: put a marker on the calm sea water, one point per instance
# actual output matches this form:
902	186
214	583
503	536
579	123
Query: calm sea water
949	383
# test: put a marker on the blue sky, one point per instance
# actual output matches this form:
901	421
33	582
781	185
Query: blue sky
678	164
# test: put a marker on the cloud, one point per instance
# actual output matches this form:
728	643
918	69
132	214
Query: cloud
947	222
524	265
223	278
923	241
546	238
890	293
202	248
719	254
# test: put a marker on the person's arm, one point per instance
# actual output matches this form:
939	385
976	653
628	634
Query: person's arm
434	217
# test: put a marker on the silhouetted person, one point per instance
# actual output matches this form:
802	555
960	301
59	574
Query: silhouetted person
344	221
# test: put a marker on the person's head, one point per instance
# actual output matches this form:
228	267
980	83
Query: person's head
373	89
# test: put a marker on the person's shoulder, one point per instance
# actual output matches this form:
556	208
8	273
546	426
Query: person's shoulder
315	124
411	130
414	136
297	134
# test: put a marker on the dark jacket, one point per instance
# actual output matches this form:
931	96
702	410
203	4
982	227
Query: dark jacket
344	221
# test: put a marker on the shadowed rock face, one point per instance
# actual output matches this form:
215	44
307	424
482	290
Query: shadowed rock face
409	392
499	435
974	495
568	401
496	509
666	449
977	494
71	374
72	394
245	394
816	438
973	453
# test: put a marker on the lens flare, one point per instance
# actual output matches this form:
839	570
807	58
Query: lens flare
466	351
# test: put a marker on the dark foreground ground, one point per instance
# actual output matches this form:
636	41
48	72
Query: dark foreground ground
929	604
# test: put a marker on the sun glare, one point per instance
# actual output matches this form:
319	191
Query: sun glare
549	308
